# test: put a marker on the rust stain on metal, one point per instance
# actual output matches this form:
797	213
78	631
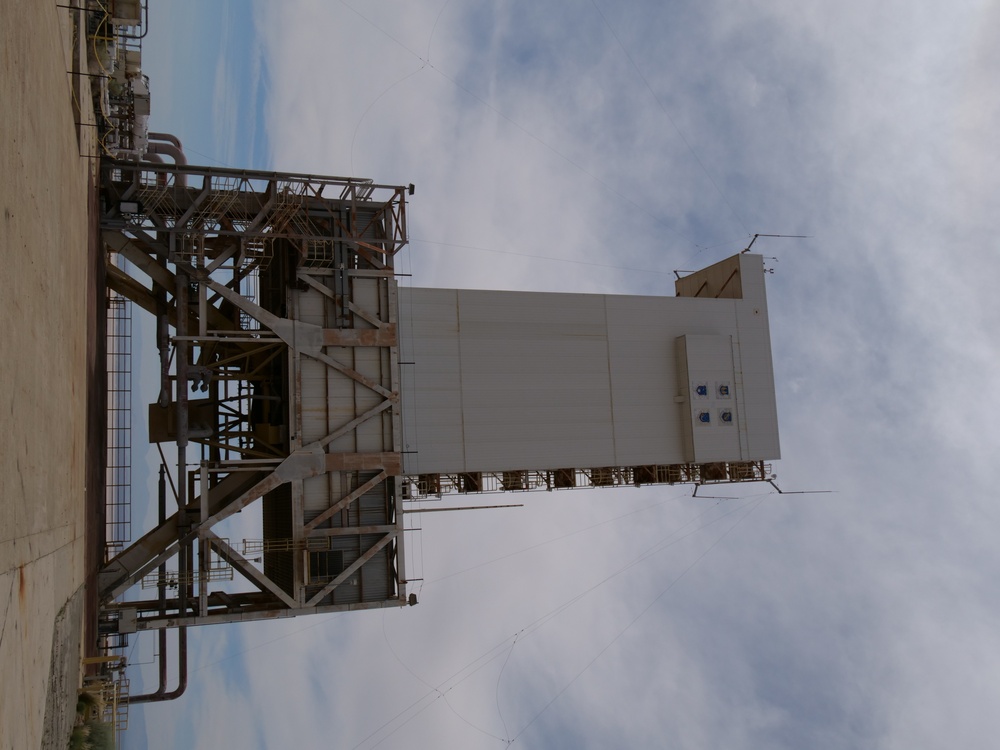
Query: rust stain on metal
391	463
384	336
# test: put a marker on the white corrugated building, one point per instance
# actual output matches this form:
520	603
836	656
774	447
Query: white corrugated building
498	381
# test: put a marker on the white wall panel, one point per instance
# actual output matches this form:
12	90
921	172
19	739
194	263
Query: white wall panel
521	380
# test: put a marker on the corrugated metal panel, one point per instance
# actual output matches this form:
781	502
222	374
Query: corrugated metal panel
516	380
374	506
316	401
378	577
316	493
372	582
712	396
366	294
330	399
310	307
757	364
278	564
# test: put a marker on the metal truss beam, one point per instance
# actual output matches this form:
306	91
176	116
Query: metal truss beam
200	233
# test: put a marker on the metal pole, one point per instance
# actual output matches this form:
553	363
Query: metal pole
464	507
181	384
161	693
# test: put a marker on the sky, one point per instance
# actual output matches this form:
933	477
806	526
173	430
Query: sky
592	147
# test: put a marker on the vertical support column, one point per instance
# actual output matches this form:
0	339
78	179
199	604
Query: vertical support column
204	549
181	384
395	415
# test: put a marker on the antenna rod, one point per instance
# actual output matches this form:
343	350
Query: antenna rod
464	507
795	236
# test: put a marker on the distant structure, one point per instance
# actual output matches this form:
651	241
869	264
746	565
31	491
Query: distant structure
302	386
524	390
298	380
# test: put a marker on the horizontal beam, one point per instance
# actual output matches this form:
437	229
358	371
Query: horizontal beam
157	622
356	530
390	463
384	336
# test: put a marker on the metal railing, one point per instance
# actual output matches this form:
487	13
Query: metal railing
422	486
110	688
118	477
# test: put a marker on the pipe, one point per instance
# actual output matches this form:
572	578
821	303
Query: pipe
169	149
163	345
182	677
185	557
168	137
181	384
161	694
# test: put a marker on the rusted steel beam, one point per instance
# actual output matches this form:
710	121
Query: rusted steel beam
344	502
384	336
248	570
351	373
356	530
391	463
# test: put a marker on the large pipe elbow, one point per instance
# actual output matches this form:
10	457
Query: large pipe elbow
168	137
168	149
174	152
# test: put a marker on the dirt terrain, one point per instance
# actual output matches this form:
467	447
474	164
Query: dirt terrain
48	320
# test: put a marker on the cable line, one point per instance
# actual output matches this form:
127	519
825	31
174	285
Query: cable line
606	185
671	119
497	650
375	101
657	504
636	619
539	257
434	689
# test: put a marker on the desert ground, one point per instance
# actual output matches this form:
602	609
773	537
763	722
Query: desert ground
48	361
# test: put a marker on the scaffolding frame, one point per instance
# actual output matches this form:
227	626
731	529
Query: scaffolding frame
241	263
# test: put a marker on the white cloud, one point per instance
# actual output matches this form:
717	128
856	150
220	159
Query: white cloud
855	619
